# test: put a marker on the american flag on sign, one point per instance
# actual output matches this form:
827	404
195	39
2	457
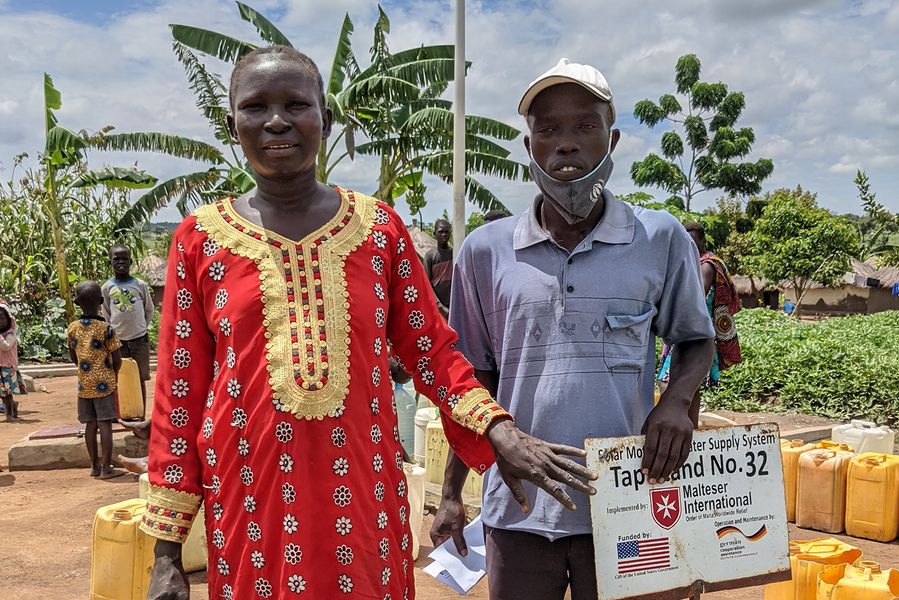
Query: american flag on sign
643	555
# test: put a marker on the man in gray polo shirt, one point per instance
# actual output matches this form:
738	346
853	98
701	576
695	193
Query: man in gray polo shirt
558	310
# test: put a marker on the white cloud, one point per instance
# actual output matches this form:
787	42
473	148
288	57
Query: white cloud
821	81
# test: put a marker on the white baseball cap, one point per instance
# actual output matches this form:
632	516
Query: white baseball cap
568	72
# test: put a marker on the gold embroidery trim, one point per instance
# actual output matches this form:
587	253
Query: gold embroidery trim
317	388
476	410
170	513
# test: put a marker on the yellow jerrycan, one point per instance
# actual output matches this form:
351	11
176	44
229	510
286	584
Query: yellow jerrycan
194	551
436	451
790	451
862	581
122	555
872	497
807	560
833	445
131	402
821	490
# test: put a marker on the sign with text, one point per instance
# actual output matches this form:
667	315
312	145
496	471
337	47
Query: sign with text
718	523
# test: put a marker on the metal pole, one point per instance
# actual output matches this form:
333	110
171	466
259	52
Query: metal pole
459	130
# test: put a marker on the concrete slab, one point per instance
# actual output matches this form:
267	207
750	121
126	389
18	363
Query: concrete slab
39	370
66	453
807	434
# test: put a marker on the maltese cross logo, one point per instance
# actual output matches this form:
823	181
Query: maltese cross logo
665	504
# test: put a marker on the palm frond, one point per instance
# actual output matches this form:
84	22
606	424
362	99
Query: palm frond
481	197
486	126
378	147
164	143
115	177
425	72
411	55
223	47
435	90
438	118
441	163
477	194
63	146
52	101
482	145
342	54
147	205
266	29
379	88
210	91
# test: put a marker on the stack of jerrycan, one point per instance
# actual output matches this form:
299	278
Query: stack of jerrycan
821	487
790	450
862	581
807	560
865	436
122	555
872	497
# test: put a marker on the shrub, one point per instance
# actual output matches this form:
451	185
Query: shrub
845	367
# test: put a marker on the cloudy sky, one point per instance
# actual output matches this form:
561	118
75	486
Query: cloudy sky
821	77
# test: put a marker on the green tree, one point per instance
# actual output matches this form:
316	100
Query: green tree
28	255
704	157
878	225
395	103
797	243
64	172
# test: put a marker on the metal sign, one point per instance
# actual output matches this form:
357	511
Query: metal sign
720	522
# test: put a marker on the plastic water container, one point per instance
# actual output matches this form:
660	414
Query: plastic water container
194	553
436	451
423	416
131	401
821	489
808	559
790	450
122	555
415	483
834	445
865	436
872	497
862	581
405	415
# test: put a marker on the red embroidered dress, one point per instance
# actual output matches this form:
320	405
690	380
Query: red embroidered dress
273	402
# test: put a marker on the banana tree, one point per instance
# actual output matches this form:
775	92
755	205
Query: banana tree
394	102
66	175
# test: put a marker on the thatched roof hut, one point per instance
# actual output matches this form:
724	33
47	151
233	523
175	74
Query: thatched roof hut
422	241
153	269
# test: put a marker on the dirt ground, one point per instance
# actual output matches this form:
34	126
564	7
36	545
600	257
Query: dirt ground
45	516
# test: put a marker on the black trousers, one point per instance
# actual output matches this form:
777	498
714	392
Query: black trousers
526	566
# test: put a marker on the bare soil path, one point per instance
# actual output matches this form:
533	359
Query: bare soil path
45	516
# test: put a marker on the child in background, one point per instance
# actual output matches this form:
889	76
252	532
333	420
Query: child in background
94	347
128	306
10	379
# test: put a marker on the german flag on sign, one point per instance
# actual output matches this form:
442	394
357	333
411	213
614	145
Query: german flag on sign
731	529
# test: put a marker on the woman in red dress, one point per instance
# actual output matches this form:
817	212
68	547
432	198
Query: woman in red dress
273	405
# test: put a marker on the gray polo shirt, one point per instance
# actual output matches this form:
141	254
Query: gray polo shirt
573	336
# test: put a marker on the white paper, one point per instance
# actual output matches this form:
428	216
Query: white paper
460	572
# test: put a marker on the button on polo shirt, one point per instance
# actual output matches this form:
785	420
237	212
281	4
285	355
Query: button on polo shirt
573	335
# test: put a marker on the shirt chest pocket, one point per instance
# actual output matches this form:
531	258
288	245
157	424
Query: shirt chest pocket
625	339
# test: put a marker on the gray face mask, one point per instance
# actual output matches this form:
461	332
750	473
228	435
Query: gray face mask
574	199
